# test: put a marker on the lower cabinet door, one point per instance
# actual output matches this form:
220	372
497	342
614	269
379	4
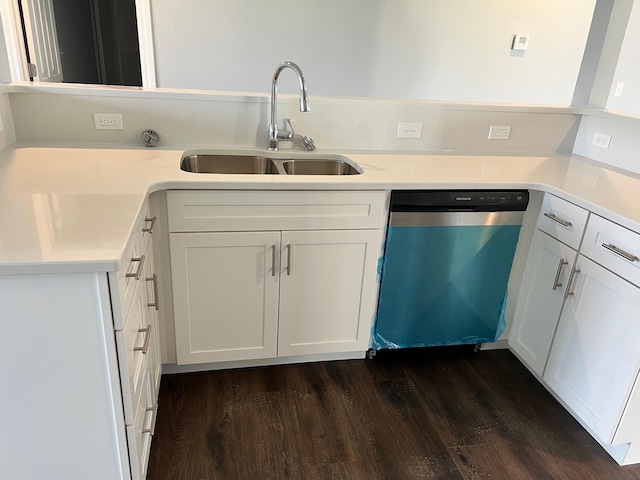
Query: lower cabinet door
328	290
544	283
225	295
595	358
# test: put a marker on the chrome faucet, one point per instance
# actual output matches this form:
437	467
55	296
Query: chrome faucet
275	136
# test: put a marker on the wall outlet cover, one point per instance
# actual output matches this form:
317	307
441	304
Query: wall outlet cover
108	121
618	90
601	140
409	130
499	132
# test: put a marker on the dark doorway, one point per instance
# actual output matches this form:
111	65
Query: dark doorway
98	41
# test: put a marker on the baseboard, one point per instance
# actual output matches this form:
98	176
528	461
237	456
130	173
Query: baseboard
497	345
170	368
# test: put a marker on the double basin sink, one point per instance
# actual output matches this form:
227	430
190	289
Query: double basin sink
256	164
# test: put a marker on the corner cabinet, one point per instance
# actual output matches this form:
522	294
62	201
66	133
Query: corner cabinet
577	321
80	369
259	275
594	362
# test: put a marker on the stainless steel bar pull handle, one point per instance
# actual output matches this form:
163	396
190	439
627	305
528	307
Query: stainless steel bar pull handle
152	425
289	247
155	303
147	336
273	260
562	263
622	253
564	223
149	229
138	271
569	293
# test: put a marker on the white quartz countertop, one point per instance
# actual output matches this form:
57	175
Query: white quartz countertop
71	209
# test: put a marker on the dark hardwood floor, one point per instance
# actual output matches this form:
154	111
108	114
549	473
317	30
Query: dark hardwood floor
431	413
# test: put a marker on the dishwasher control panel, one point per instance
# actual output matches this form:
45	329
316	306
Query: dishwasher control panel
473	200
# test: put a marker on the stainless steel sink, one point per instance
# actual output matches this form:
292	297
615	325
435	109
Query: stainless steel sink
205	163
257	164
318	167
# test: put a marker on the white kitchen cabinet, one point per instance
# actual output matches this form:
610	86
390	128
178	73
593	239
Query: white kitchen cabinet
134	298
61	406
594	360
70	358
327	291
540	299
225	295
552	254
251	295
301	283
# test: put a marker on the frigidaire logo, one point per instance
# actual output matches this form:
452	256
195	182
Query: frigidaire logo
466	199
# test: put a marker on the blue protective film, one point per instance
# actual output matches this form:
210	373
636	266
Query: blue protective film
444	285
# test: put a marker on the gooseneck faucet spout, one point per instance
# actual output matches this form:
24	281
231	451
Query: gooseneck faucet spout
274	136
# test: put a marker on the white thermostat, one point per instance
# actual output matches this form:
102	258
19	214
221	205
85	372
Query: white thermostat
520	42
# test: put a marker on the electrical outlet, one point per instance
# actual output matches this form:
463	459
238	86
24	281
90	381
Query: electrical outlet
499	132
409	130
107	121
618	91
601	140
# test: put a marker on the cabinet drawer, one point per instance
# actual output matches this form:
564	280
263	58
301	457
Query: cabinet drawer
126	280
131	357
139	434
133	266
614	247
562	220
206	210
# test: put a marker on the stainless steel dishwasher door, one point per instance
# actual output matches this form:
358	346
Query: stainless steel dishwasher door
444	278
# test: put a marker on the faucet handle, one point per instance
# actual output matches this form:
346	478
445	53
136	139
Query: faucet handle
287	121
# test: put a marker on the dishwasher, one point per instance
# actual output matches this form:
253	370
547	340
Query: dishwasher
446	265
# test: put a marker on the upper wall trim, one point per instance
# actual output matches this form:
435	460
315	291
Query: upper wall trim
263	98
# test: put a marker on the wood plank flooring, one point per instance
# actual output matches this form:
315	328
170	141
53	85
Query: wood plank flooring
417	414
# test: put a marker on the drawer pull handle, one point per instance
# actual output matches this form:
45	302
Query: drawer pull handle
556	283
138	271
145	345
569	293
151	429
622	253
155	303
564	223
289	248
149	229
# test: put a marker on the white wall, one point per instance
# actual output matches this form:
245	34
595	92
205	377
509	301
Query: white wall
7	133
622	120
436	49
5	72
628	69
625	140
